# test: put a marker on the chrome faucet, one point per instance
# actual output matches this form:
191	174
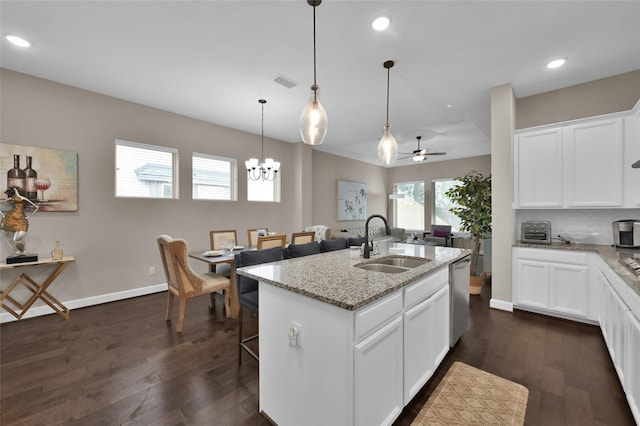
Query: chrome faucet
367	250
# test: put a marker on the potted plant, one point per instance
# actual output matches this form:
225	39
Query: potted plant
473	198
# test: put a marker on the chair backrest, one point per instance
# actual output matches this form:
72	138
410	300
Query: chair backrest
175	261
335	244
167	261
253	234
269	241
248	287
302	237
300	250
443	231
220	239
322	231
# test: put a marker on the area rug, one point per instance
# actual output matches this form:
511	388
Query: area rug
469	396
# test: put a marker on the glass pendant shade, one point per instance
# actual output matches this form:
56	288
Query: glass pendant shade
388	147
313	121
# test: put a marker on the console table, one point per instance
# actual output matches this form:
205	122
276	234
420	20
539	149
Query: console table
39	291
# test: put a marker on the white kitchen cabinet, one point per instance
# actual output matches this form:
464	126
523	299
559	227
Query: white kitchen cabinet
538	169
378	376
426	337
594	163
615	320
576	164
632	388
551	281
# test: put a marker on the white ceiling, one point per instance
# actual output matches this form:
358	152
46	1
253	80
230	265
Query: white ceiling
213	60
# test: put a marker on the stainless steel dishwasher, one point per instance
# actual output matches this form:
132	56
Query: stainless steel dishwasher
459	295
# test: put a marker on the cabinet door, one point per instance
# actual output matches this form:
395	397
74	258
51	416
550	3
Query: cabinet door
568	289
594	164
614	327
538	169
632	387
378	376
426	340
531	285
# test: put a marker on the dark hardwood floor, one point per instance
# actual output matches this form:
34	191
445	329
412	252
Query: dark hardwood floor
121	364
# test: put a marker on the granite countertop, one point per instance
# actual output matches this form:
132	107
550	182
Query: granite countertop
611	256
332	278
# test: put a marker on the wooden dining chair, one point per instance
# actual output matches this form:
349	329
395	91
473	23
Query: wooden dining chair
183	282
252	235
220	241
302	237
269	241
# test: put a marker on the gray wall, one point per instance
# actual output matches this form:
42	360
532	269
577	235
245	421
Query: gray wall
114	239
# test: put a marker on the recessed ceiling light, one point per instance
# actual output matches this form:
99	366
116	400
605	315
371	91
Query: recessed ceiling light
556	63
450	106
381	23
18	41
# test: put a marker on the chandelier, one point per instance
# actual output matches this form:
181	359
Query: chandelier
266	168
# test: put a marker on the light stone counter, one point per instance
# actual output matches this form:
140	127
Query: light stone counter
332	278
609	254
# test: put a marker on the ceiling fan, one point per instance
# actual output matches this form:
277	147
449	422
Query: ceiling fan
419	155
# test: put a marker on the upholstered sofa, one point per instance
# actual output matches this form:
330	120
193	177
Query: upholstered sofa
376	233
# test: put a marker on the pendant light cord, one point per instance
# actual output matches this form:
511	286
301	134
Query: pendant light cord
388	79
315	85
262	101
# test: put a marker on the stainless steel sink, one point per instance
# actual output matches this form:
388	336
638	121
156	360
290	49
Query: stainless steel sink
403	262
379	267
393	264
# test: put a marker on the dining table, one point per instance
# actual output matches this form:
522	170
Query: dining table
228	257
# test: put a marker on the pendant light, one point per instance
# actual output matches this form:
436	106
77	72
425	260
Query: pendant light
388	147
313	120
267	169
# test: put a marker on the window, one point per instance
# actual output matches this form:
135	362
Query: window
440	214
264	190
213	177
408	212
146	171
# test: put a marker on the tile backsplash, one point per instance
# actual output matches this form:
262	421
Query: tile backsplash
591	221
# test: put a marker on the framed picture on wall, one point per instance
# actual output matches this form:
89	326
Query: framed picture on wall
48	177
352	200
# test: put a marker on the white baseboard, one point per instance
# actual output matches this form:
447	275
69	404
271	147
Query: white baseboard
501	304
37	311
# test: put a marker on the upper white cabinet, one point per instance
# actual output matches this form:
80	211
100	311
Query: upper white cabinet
538	165
594	164
578	164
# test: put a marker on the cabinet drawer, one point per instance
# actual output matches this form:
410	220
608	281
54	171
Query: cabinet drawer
425	287
550	255
374	316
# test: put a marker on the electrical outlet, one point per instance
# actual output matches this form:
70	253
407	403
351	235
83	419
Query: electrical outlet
152	270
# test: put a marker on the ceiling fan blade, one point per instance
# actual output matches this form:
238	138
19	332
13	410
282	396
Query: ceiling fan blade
434	153
404	158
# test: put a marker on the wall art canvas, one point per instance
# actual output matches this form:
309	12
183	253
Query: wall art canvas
52	181
352	200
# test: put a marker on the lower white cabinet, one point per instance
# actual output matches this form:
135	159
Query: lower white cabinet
378	391
632	374
551	281
426	337
350	367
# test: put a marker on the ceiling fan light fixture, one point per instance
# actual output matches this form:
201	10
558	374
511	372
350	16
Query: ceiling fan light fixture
388	146
419	158
313	119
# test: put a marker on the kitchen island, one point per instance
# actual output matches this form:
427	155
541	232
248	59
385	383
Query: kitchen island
342	345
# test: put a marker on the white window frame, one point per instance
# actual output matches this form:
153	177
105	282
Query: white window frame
233	177
276	189
397	201
455	224
174	181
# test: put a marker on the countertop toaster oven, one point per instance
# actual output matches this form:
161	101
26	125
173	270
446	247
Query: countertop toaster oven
535	232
